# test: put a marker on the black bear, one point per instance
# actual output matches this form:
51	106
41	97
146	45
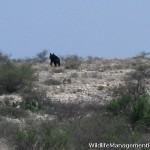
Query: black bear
54	59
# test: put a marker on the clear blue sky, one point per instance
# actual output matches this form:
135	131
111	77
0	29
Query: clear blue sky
103	28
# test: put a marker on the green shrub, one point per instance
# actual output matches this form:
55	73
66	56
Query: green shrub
53	138
14	78
120	105
33	99
141	111
137	111
114	106
26	139
45	137
135	80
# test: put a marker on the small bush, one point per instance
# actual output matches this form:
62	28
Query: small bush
90	60
33	100
143	54
103	128
114	106
45	137
14	78
135	81
4	59
73	62
12	112
54	139
42	56
120	105
141	111
137	111
26	139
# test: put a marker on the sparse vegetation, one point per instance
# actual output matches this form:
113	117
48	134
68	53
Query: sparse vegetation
14	77
104	128
73	62
33	99
143	54
121	105
68	108
141	113
137	111
9	111
136	81
42	56
46	136
58	70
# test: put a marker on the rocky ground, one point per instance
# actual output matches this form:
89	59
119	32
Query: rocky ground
93	82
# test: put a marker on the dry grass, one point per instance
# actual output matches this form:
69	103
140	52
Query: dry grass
79	117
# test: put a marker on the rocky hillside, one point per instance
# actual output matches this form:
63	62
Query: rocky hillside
93	81
90	81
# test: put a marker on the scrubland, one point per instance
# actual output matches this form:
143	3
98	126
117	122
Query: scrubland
85	100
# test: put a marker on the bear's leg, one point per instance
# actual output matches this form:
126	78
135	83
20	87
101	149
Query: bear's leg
51	63
55	64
